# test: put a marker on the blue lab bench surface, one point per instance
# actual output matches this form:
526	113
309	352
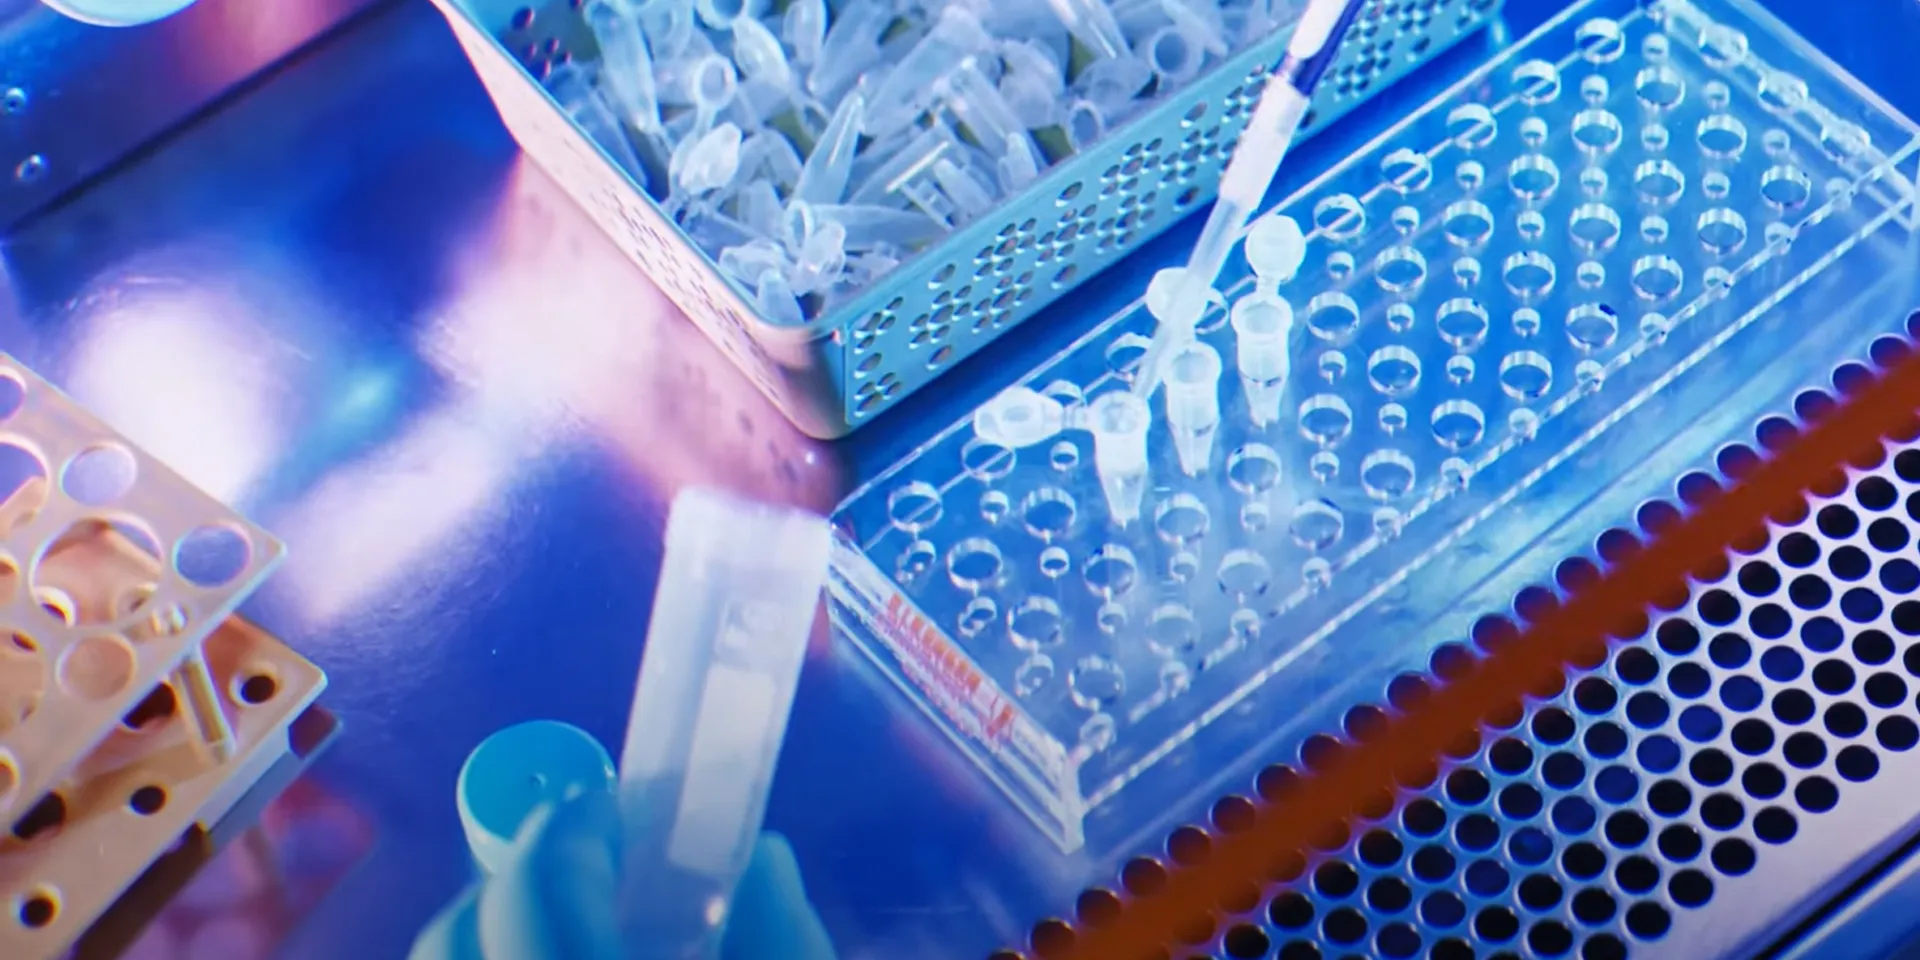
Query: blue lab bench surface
348	306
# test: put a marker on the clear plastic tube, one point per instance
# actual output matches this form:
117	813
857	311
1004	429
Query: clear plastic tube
627	64
1262	147
731	619
824	177
1091	22
1119	422
1193	404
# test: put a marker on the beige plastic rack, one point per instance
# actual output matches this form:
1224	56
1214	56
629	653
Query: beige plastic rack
134	704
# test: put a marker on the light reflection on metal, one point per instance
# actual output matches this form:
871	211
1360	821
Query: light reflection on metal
553	342
175	368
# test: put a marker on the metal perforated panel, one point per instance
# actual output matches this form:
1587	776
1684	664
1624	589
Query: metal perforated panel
1680	798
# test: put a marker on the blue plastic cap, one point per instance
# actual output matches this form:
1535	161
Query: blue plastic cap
516	771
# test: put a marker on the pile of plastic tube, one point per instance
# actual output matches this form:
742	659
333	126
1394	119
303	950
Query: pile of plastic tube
809	150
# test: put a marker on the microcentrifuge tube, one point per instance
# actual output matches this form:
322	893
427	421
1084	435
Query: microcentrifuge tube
1035	61
759	54
735	607
926	197
824	177
769	154
804	27
1167	305
774	299
1091	22
912	83
757	205
1085	124
1262	326
1019	417
724	14
868	226
1193	403
1200	22
669	27
1119	422
712	82
1274	247
624	62
1114	85
1019	165
978	105
574	90
708	163
820	260
851	48
961	186
751	260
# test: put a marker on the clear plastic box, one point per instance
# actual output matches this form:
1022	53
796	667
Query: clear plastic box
843	367
1490	286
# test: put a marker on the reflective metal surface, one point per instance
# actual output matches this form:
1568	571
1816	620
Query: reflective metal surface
75	97
345	304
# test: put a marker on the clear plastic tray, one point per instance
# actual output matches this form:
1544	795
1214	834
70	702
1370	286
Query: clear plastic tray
1489	287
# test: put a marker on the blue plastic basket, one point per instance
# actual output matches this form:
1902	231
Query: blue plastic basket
838	370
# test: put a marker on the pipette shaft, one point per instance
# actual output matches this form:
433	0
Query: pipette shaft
1283	102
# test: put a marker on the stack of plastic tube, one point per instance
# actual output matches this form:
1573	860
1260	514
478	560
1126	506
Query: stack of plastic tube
810	148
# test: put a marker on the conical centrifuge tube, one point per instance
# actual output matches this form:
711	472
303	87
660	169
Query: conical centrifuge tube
1193	404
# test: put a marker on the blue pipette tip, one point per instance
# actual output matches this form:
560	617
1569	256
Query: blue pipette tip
516	771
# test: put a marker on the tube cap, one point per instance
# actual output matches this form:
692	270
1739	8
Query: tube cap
517	770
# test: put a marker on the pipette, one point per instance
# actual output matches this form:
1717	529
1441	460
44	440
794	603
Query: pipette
1284	100
734	609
